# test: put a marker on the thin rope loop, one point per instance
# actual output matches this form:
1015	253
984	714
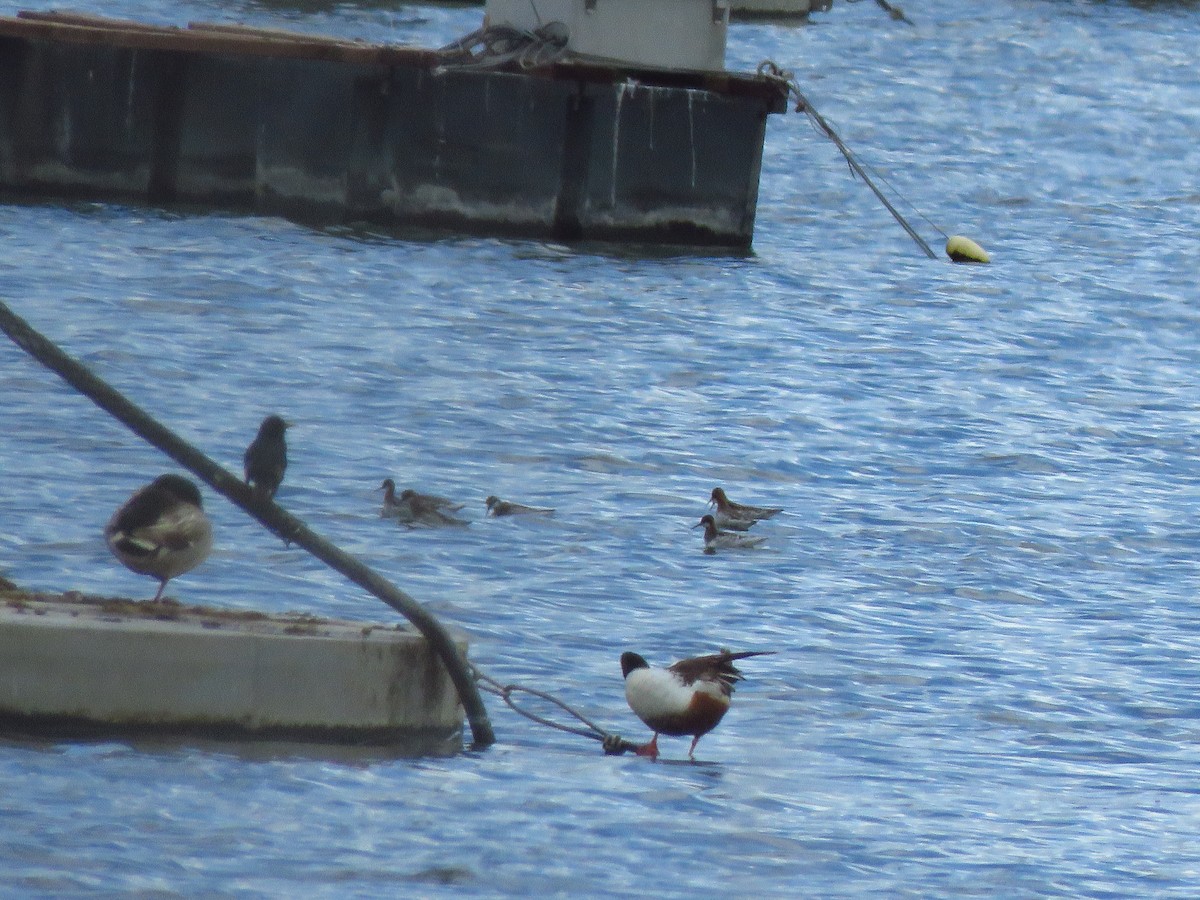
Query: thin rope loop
613	744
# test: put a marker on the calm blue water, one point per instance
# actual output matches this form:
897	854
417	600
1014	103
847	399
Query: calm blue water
983	591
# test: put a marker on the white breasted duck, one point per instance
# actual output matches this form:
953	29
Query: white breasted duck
265	460
498	507
688	697
715	540
161	530
729	509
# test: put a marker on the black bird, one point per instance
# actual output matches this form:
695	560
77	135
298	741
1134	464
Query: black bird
161	530
266	457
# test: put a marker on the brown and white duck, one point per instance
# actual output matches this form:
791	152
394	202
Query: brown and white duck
161	530
689	697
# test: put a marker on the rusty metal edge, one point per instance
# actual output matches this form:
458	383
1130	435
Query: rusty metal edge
240	40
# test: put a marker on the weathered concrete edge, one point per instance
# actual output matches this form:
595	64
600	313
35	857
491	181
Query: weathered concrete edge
95	667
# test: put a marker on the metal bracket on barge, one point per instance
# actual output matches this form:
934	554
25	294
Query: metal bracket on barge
579	147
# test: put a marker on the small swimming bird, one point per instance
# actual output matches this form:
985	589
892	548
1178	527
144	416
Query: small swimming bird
412	508
498	507
688	697
726	507
715	540
729	523
391	506
266	458
161	530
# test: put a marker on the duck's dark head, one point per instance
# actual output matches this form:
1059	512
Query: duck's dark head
179	488
631	661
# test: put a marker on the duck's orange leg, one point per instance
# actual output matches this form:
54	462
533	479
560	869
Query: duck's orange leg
650	749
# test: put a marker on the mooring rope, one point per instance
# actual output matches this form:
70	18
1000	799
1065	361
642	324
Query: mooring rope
613	744
497	45
264	510
894	11
772	72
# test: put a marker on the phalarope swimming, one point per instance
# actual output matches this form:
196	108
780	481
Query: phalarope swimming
498	507
715	540
728	508
412	508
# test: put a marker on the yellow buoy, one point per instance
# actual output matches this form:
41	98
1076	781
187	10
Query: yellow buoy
962	249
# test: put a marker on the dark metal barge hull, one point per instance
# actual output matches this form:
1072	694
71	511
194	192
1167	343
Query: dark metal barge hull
332	131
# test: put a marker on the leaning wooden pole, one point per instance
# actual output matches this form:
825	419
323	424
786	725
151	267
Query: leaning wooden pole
272	516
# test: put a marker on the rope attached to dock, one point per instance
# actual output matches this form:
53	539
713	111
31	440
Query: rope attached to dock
270	515
773	72
894	12
613	744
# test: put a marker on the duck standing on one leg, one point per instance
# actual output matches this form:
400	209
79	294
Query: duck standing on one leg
161	530
688	697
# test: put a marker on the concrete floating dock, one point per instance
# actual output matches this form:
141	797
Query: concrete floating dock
79	666
333	131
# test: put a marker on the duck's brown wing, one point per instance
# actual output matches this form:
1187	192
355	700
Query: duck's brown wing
716	667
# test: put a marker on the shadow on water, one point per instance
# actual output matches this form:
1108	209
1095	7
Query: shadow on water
264	747
373	233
